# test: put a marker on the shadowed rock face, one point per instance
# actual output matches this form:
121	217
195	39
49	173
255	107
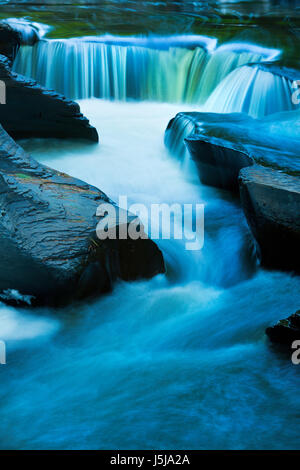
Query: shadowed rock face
218	161
285	331
10	41
34	111
222	144
271	202
265	155
49	248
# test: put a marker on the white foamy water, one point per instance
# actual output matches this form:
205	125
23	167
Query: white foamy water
177	362
19	325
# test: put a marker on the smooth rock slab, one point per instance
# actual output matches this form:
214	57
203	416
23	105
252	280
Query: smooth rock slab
218	161
34	111
49	248
271	203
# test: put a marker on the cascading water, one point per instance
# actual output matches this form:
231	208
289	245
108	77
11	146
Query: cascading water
273	139
252	91
179	361
127	370
159	69
29	31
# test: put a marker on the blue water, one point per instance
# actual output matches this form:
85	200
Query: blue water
177	362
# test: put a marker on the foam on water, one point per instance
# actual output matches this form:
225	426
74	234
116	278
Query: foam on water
177	362
156	68
29	30
18	325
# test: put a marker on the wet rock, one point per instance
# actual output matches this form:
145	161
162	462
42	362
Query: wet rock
29	32
10	41
178	128
49	248
279	69
15	32
271	203
218	161
285	331
222	144
34	111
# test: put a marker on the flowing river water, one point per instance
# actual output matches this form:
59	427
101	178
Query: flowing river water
180	361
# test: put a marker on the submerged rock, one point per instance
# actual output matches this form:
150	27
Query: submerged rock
271	203
285	331
49	248
34	111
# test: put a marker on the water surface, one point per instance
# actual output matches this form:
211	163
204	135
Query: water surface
177	362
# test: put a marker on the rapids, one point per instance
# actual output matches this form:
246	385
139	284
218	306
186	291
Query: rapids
180	361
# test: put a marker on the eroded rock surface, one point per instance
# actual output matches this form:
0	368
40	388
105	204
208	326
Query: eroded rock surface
49	248
34	111
271	203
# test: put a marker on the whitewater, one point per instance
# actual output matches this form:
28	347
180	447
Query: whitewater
179	361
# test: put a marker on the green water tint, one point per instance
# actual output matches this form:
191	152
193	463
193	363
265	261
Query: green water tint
180	361
165	69
249	21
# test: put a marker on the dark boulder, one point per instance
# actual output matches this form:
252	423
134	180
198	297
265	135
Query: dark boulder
49	247
34	111
218	161
222	144
15	32
29	32
285	331
10	41
271	203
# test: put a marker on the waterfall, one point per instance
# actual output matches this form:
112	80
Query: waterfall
180	127
172	69
253	91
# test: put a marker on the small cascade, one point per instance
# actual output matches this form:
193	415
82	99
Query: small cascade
253	91
180	127
168	69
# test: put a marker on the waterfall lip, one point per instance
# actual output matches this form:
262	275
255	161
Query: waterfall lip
151	42
268	54
28	28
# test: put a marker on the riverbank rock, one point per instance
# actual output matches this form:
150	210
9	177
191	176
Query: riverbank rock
15	32
10	41
285	331
34	111
218	161
29	32
222	144
49	248
271	203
